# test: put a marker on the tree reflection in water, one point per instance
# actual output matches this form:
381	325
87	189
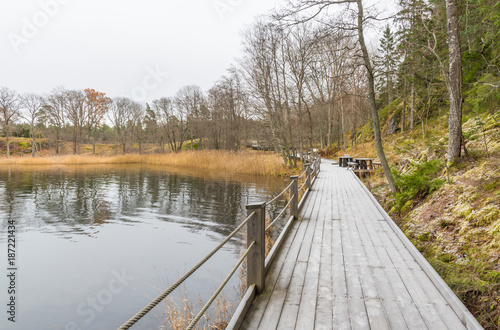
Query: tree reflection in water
68	201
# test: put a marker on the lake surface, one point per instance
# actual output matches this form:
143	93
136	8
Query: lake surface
94	245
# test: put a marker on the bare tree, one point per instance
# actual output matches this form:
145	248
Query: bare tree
227	102
33	104
172	128
311	9
189	101
120	114
55	109
136	123
77	114
266	75
299	50
10	106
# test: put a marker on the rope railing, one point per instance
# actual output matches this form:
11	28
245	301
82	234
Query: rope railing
281	213
303	185
256	261
174	286
219	289
279	195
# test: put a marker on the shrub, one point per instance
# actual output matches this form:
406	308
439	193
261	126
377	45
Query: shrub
420	182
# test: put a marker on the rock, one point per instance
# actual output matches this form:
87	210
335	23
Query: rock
394	123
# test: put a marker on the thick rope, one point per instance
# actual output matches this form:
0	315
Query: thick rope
281	213
303	185
219	289
279	195
304	173
162	296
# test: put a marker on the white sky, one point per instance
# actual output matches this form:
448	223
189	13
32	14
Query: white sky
113	45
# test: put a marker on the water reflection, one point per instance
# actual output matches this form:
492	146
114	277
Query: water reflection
78	201
77	225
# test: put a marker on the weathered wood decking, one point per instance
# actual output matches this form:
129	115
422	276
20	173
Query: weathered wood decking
346	265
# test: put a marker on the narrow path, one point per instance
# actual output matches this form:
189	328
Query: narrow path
346	265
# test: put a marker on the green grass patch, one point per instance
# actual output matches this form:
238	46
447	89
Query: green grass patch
417	184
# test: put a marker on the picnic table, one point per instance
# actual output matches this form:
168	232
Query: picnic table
344	160
364	163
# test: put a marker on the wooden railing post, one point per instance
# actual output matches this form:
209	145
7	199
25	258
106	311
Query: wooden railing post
256	229
294	194
318	164
313	167
308	175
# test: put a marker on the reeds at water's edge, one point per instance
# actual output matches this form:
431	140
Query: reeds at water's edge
229	161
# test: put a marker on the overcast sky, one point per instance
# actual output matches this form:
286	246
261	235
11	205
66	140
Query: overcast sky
144	49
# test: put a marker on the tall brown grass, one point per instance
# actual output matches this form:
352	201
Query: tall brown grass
234	162
178	315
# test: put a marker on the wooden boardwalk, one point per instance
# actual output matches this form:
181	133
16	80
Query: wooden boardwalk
346	265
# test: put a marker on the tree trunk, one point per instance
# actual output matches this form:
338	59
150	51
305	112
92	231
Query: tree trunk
412	109
371	98
330	125
74	141
78	141
7	137
33	142
58	134
403	118
342	130
455	82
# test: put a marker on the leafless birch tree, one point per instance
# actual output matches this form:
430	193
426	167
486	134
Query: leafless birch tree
10	106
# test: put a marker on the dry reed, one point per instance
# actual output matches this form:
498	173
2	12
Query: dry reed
178	315
233	162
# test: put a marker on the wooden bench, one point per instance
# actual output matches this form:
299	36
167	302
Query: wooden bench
352	165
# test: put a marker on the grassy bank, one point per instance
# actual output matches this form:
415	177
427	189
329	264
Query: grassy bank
235	162
451	211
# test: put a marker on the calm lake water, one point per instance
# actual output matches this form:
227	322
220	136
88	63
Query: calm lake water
94	245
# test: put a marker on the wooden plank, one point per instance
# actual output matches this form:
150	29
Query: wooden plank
290	309
276	281
272	310
341	319
376	313
357	308
389	280
444	310
423	303
307	308
277	292
242	310
385	250
324	307
382	291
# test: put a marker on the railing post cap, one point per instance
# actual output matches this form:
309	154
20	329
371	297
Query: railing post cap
253	206
292	177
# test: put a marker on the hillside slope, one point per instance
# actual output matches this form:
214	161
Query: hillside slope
451	212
